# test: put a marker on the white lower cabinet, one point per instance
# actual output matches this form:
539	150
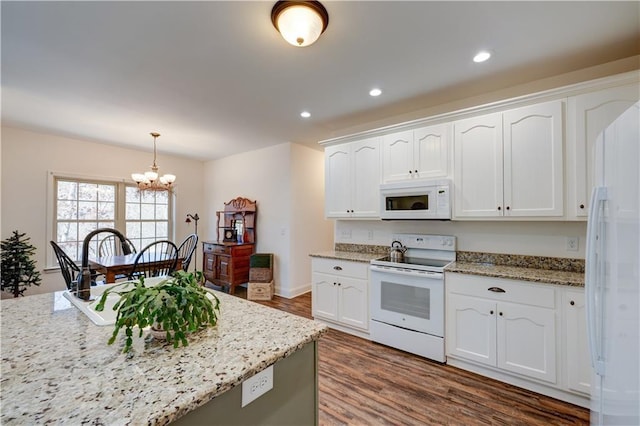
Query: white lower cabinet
515	337
340	294
575	342
527	334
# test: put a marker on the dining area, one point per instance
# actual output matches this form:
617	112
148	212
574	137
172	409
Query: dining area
108	256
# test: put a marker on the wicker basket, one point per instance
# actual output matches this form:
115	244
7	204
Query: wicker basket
260	291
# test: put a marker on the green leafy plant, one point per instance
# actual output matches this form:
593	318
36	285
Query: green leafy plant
178	305
18	268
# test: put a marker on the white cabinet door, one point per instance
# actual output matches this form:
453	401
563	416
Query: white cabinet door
353	299
526	340
365	182
471	329
533	162
397	156
431	151
577	350
324	296
478	169
588	115
337	162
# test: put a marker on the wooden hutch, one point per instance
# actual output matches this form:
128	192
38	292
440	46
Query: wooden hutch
226	260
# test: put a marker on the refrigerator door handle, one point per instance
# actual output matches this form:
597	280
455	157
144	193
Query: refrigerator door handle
598	195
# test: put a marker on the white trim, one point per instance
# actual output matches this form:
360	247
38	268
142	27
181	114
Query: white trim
295	292
545	95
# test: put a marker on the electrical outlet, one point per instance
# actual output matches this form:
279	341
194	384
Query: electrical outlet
257	385
345	234
572	243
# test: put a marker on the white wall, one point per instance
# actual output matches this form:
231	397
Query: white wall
286	181
526	238
28	157
310	231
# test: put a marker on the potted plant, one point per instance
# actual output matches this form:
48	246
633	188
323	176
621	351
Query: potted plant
178	305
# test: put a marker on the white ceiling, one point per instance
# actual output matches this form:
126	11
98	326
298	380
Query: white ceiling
215	78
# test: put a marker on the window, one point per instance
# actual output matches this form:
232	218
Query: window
147	216
83	205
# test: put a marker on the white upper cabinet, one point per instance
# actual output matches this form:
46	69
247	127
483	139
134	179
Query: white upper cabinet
533	161
510	163
588	115
337	163
478	170
416	154
352	179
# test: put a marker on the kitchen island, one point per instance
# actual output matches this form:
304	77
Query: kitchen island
57	367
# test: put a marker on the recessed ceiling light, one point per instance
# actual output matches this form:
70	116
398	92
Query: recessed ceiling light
305	114
481	56
375	92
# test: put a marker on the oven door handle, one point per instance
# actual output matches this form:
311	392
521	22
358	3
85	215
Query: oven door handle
412	273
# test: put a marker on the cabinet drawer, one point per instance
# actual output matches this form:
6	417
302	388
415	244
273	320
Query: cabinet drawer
215	248
523	292
341	267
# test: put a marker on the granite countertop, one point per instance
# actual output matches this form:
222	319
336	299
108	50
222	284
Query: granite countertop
348	255
57	367
364	253
538	275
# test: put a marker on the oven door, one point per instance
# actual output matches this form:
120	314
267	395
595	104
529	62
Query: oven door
413	300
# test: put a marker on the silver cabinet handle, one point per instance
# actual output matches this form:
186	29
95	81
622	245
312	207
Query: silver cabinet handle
496	290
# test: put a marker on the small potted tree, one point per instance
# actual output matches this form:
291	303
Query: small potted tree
175	307
18	268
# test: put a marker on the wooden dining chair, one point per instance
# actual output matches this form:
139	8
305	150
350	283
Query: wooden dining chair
111	246
186	250
70	271
155	260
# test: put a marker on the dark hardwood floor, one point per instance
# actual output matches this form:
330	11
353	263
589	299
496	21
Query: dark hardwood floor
365	383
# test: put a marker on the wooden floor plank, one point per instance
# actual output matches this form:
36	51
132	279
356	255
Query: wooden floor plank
365	383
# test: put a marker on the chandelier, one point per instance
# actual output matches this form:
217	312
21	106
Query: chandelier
149	181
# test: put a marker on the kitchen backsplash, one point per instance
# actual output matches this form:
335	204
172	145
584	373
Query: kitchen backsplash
523	261
362	248
538	262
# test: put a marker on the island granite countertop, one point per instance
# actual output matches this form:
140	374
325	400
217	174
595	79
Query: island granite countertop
57	367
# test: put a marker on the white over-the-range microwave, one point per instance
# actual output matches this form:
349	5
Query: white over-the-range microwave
415	200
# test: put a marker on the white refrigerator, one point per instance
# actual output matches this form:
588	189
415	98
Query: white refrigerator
612	284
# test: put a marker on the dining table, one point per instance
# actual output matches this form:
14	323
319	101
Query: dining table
119	265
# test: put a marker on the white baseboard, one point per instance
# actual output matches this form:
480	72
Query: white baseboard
295	292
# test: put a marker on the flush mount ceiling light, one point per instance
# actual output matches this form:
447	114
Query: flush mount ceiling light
149	181
300	22
375	92
481	56
305	114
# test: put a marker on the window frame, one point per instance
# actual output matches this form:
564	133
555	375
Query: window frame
120	221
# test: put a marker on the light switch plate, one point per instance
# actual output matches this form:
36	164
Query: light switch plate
257	385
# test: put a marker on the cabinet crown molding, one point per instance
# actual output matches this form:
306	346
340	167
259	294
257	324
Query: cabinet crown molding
546	95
